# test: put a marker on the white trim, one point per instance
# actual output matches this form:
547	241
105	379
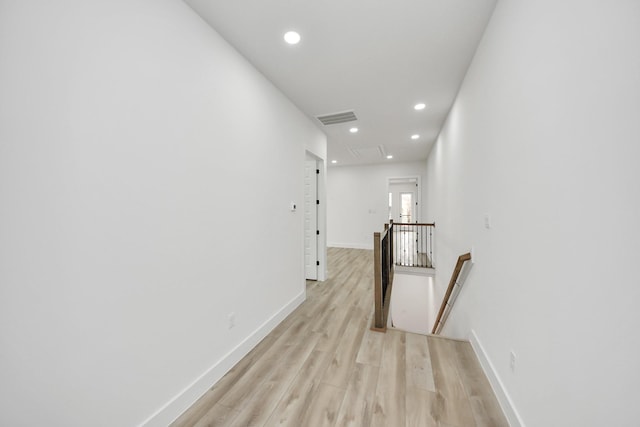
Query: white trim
414	271
499	389
350	245
322	220
170	411
311	227
322	213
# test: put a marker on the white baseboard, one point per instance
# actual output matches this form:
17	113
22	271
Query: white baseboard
414	271
350	245
187	397
498	388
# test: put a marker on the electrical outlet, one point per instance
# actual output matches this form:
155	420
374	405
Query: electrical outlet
512	361
232	320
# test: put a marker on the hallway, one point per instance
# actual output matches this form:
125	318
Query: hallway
322	366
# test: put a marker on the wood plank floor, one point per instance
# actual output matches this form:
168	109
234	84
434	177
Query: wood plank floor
322	366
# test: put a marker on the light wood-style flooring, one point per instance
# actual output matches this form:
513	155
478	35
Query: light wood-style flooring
322	366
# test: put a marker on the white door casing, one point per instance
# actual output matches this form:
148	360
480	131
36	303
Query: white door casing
310	220
398	186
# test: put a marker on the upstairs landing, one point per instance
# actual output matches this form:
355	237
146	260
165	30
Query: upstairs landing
323	366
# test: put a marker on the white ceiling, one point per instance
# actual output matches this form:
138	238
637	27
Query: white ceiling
375	57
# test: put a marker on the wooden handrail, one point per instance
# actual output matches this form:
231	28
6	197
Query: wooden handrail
452	283
383	276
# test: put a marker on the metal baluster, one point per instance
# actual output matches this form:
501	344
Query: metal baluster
431	247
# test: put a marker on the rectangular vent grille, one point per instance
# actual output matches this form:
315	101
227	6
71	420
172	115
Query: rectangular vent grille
332	119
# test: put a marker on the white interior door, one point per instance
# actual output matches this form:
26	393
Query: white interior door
403	199
310	220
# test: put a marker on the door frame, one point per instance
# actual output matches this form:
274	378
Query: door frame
321	217
418	191
311	213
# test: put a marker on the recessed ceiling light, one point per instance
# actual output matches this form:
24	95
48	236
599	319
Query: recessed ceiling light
389	156
353	130
334	161
416	136
292	37
420	106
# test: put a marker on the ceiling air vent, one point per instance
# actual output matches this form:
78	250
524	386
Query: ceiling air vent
335	118
369	154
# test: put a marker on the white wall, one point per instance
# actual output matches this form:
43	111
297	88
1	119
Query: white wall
143	163
358	201
544	137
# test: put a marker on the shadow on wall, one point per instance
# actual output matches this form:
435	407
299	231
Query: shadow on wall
413	303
